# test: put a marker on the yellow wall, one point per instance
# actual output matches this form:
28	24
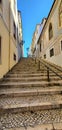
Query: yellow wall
13	50
5	49
8	44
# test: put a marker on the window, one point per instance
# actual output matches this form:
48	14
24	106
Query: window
0	1
51	52
14	57
0	49
1	4
40	47
60	14
50	31
45	56
61	45
17	35
14	30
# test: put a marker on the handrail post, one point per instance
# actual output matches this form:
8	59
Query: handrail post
48	74
39	65
53	127
35	60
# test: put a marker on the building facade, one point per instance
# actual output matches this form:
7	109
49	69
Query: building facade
8	35
50	40
20	37
35	40
34	46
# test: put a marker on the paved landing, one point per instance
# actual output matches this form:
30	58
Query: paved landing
57	126
40	120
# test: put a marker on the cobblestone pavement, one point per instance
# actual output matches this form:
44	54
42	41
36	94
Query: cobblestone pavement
28	100
13	102
25	119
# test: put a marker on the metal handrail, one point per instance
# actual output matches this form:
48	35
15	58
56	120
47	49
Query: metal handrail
48	69
52	65
52	70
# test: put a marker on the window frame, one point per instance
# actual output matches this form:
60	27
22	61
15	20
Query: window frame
40	47
0	1
50	31
51	52
14	57
1	4
14	30
44	56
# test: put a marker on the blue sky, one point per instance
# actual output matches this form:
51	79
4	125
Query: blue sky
33	11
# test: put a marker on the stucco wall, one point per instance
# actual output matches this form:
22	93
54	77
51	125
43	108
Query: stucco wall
13	50
4	49
8	44
55	41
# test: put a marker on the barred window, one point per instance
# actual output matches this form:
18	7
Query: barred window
50	31
52	52
44	56
40	47
0	1
14	30
1	4
14	57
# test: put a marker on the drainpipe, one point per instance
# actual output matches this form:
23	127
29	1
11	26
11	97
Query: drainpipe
9	40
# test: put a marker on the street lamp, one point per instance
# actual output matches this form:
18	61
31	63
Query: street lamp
22	42
27	50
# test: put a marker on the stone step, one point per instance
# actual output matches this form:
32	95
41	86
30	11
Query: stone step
29	71
29	67
30	84
11	92
35	72
32	75
16	79
25	93
59	82
43	102
24	72
32	70
43	75
29	75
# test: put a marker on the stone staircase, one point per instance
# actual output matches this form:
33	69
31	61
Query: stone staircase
28	99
